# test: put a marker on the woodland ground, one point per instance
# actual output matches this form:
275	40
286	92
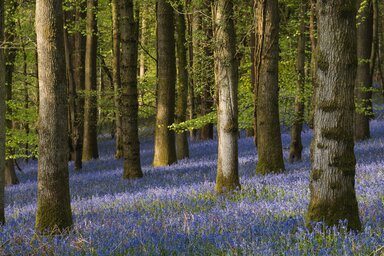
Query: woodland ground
174	210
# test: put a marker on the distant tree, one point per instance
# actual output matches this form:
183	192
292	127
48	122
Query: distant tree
296	146
10	53
2	114
226	80
183	83
332	183
53	204
129	95
116	6
165	149
269	148
363	92
90	148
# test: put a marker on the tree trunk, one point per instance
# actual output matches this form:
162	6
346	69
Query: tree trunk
165	149
296	146
363	85
10	57
2	114
252	46
143	42
129	97
182	88
53	207
116	6
226	80
90	148
332	183
270	155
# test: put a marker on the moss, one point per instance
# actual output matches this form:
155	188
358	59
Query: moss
336	133
320	145
231	127
347	10
267	168
316	174
226	184
322	62
328	105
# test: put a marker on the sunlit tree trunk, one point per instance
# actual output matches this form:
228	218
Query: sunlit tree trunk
296	146
226	80
332	182
313	39
182	85
53	207
363	85
143	41
2	114
129	97
269	148
165	149
90	148
116	6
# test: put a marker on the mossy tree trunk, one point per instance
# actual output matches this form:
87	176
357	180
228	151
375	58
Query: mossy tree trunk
269	148
363	85
53	205
296	146
332	182
165	148
182	85
226	80
90	148
116	6
129	95
2	114
10	57
313	39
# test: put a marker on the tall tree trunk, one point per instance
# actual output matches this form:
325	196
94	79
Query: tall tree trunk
363	85
296	146
129	98
182	86
90	148
165	149
143	42
53	204
10	57
252	46
2	114
226	79
332	183
78	59
270	155
116	6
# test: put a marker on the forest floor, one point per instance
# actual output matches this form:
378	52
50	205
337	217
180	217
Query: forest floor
175	211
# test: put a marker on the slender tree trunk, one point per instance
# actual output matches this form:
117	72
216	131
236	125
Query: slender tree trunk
267	54
129	98
363	85
90	148
226	79
143	42
10	58
165	149
53	205
116	6
332	184
296	146
182	88
191	85
2	114
252	46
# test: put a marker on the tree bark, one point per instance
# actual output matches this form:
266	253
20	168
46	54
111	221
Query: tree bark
182	87
270	155
332	182
129	97
313	39
143	41
2	114
53	207
363	85
90	147
165	149
226	80
116	6
296	146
